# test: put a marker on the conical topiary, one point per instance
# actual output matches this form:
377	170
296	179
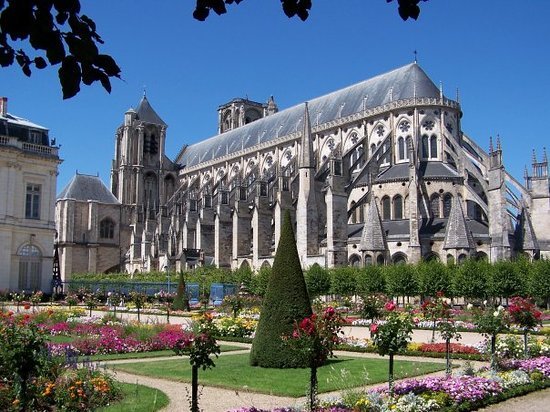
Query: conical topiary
286	301
181	302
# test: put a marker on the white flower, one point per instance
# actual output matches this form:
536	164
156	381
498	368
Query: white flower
496	313
469	306
485	302
500	308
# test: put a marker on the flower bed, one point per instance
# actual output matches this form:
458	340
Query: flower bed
457	393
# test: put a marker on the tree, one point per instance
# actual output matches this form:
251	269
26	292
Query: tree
469	279
539	282
317	280
181	302
286	301
433	277
64	36
505	280
370	280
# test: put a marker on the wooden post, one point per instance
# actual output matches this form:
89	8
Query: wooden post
390	377
448	357
313	389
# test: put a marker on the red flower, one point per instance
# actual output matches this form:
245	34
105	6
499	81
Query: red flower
308	325
329	312
373	328
27	306
390	306
440	294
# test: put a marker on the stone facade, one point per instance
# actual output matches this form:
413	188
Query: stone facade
28	176
379	172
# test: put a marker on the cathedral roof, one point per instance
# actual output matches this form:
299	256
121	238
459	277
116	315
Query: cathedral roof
85	187
430	169
146	113
402	83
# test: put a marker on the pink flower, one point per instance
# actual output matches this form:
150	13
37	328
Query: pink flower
373	328
390	306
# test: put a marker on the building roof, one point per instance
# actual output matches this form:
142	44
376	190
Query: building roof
146	113
373	237
402	83
85	188
19	121
426	170
457	234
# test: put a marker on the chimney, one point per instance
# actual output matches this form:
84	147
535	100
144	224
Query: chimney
3	106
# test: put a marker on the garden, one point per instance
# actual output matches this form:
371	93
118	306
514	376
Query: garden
288	342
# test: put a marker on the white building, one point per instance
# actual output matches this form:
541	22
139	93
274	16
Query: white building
28	177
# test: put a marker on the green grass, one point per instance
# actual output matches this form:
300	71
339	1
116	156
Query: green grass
138	398
153	354
234	372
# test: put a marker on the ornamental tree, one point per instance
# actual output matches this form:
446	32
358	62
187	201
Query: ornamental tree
200	346
315	338
525	314
286	301
490	322
393	335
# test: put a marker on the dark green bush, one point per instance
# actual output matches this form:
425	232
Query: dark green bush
286	301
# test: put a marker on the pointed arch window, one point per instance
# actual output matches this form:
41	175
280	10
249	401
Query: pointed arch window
434	205
386	208
425	146
433	147
447	201
401	148
398	207
360	217
372	149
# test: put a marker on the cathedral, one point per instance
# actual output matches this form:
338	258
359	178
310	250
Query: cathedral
376	173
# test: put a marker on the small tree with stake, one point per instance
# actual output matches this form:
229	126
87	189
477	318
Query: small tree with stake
525	314
199	345
315	337
181	301
490	322
392	336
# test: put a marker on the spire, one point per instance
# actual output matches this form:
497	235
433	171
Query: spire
534	157
457	95
457	234
441	90
499	147
147	114
271	106
544	155
491	148
415	56
306	158
373	238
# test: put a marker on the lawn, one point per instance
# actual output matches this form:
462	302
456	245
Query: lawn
138	398
234	372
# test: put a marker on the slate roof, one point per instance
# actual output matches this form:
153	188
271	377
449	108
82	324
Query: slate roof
147	114
373	237
429	169
85	187
402	83
19	121
457	233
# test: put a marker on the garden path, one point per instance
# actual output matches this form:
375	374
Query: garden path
221	400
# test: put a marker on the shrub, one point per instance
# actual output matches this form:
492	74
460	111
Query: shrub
317	281
286	301
181	302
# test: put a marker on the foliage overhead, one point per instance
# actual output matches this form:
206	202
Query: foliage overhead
63	36
300	8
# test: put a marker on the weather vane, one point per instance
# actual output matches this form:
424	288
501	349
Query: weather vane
415	55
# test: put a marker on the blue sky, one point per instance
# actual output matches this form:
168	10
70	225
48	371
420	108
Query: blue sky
495	51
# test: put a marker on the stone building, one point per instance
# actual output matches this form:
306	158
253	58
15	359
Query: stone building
28	178
378	172
88	227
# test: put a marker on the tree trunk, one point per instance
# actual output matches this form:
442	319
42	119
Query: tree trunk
525	343
448	357
390	377
493	350
194	388
313	389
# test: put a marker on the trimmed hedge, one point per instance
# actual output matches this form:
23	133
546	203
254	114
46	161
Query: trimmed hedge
286	301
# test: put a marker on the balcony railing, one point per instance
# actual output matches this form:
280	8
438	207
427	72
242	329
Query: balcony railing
28	147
